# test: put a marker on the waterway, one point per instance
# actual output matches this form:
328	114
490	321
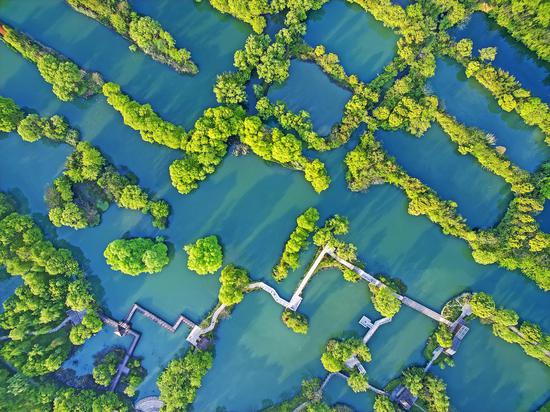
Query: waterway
251	205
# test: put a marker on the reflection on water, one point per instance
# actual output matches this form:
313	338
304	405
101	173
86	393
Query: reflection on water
252	205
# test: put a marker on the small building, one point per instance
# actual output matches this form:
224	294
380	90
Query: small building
403	397
122	328
353	362
204	343
461	331
366	322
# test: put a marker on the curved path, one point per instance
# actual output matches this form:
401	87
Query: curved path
149	404
265	287
196	333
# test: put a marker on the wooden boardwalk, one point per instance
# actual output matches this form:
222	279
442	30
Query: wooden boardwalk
265	287
124	328
419	307
297	296
158	320
197	332
372	327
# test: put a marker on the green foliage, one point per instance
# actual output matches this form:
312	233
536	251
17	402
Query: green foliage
10	115
91	324
305	225
383	404
56	128
337	352
233	283
384	300
529	336
527	21
444	336
145	32
150	37
295	321
52	284
358	382
483	305
18	393
105	370
230	88
316	174
248	11
67	79
136	256
89	184
477	143
504	87
205	255
142	118
179	382
206	146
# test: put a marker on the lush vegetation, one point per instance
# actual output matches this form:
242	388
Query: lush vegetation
87	187
142	118
506	325
179	382
136	256
67	79
205	255
508	92
233	281
430	390
527	21
273	145
106	368
31	127
383	404
144	32
516	242
339	351
305	226
295	321
53	283
206	146
18	393
384	300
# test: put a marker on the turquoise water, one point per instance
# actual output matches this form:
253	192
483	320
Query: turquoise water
482	197
363	44
532	73
474	106
309	88
251	205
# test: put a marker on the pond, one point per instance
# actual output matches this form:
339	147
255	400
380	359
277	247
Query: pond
512	56
482	197
474	106
308	88
363	44
252	205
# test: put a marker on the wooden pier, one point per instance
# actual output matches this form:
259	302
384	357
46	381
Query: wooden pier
124	328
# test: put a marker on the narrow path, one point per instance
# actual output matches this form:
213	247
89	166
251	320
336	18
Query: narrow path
149	404
373	327
297	296
196	333
265	287
404	299
72	316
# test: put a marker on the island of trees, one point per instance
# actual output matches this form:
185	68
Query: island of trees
143	31
138	255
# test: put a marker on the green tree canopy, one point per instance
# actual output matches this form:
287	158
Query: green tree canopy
205	255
